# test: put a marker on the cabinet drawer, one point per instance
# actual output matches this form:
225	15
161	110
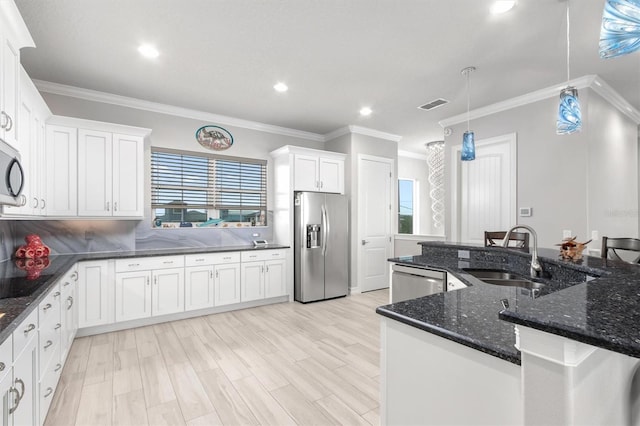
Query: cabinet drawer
48	346
6	356
23	334
68	281
47	386
147	263
49	308
211	258
251	256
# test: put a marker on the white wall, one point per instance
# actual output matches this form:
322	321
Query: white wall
572	182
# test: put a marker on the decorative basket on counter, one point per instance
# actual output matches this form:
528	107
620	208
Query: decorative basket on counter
570	249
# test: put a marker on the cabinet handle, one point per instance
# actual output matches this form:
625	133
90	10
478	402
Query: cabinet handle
66	283
58	325
29	328
46	307
267	269
227	258
262	269
49	392
217	274
10	124
74	276
115	206
43	203
200	260
16	400
133	264
35	202
48	344
168	262
56	294
107	206
20	394
58	367
70	300
4	114
147	280
2	366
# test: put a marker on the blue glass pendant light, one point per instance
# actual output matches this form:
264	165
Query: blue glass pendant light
569	115
468	152
620	31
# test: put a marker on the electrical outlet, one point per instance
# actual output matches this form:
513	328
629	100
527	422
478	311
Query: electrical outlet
594	235
255	234
566	233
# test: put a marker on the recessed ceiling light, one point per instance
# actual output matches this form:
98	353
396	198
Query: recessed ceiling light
364	111
280	87
148	51
502	6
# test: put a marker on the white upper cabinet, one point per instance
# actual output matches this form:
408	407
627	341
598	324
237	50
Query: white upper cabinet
128	175
94	173
13	36
62	171
33	112
110	174
105	173
310	169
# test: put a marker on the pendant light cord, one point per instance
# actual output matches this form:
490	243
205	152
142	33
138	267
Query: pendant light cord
568	46
468	98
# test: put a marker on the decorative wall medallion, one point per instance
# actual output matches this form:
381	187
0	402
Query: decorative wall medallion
214	137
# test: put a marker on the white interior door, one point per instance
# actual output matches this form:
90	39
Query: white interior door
484	190
374	221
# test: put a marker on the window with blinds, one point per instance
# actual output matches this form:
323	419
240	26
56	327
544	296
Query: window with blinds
207	190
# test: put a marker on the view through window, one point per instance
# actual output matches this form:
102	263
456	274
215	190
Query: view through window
406	205
197	189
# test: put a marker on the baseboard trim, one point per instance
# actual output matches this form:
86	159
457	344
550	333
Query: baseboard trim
124	325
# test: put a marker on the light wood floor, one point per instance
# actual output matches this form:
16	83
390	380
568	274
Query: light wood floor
280	364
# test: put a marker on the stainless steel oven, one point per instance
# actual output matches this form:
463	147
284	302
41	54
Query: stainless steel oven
409	282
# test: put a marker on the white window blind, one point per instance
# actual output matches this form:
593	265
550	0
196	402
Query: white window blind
207	181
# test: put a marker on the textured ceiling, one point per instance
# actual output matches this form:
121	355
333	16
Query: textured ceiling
224	56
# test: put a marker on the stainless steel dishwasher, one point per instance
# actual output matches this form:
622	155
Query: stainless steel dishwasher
409	282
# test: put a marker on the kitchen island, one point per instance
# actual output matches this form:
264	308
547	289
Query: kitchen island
511	355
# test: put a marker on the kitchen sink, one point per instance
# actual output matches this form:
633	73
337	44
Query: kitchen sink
503	278
514	283
491	274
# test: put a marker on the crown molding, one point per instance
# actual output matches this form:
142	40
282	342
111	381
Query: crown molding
124	101
588	81
374	133
337	133
414	155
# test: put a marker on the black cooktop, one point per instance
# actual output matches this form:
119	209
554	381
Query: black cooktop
21	286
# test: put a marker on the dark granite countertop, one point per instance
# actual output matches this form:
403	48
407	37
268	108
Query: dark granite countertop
591	300
13	310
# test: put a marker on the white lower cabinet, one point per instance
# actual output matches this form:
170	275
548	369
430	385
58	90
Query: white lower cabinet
95	285
133	295
198	287
263	274
149	286
227	284
167	294
25	381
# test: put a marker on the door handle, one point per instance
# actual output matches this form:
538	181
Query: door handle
365	242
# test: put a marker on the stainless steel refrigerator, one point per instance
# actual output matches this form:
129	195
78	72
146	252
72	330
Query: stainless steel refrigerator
321	246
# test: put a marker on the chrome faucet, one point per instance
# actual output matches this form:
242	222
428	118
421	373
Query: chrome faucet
536	268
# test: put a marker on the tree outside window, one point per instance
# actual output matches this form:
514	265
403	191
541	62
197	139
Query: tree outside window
406	206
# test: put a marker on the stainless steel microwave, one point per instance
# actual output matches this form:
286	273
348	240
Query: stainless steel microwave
13	182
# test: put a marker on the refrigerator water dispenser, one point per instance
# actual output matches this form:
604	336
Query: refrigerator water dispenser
313	236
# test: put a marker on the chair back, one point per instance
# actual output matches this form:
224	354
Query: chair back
610	245
516	239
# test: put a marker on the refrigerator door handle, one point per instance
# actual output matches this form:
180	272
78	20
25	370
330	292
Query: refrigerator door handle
325	229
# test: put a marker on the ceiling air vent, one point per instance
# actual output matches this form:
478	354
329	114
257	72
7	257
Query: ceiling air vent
433	104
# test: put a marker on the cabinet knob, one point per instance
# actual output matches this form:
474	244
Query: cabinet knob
29	328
